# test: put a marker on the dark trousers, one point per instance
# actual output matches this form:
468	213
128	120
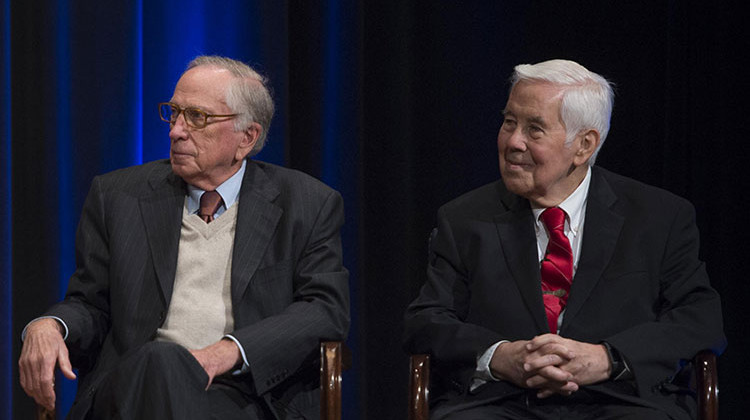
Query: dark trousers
528	407
164	381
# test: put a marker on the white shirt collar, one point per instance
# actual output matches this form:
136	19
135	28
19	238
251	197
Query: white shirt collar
573	206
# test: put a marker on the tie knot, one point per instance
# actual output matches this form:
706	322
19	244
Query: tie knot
554	219
210	203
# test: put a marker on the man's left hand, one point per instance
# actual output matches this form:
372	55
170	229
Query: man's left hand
588	365
218	358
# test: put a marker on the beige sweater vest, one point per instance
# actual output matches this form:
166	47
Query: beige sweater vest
200	312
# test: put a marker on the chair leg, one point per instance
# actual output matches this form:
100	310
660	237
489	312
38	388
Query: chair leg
707	382
419	387
330	380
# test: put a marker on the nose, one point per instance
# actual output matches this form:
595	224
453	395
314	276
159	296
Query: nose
179	130
511	140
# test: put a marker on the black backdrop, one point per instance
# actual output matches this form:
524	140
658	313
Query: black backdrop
418	89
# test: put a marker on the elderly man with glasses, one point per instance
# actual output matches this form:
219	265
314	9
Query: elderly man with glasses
203	283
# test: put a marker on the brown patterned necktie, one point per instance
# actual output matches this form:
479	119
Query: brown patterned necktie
557	266
210	203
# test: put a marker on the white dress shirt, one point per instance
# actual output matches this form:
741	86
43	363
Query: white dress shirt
574	207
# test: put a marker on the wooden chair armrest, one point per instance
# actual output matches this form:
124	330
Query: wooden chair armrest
419	387
331	362
707	384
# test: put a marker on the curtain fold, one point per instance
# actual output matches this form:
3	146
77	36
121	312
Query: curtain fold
6	217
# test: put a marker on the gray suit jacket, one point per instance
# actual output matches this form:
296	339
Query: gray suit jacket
639	285
289	288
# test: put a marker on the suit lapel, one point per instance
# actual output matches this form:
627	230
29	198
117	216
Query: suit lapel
515	228
162	217
601	230
257	218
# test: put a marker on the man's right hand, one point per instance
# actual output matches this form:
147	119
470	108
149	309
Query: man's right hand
43	349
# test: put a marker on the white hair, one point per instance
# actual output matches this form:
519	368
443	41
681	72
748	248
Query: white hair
587	98
248	95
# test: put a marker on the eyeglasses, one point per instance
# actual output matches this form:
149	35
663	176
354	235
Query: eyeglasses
194	117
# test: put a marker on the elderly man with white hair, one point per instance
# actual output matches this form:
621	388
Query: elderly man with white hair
562	290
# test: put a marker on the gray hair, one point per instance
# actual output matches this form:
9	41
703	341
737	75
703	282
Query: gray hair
587	98
248	95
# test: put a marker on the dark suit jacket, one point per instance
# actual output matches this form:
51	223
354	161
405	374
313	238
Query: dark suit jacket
289	288
639	285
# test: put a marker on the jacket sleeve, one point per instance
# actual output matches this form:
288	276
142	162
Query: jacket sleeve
278	345
688	310
85	308
435	322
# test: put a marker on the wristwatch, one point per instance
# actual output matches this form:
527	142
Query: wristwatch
619	367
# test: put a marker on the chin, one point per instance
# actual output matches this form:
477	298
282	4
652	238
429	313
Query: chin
516	184
180	170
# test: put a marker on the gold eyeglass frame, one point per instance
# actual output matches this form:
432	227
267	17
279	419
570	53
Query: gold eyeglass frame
189	121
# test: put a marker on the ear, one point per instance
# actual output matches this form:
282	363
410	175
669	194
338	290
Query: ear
249	139
589	141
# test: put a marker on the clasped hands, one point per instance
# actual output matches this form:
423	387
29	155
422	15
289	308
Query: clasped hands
550	364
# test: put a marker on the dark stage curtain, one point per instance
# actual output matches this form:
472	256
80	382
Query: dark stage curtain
394	103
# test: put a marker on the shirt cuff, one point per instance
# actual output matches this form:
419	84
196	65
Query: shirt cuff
483	374
65	326
245	365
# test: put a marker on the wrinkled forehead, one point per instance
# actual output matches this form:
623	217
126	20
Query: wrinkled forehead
202	86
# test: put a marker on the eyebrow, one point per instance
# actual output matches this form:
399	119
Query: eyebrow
193	106
534	120
189	105
538	120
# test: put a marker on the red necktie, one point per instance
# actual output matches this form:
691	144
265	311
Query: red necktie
210	202
557	266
